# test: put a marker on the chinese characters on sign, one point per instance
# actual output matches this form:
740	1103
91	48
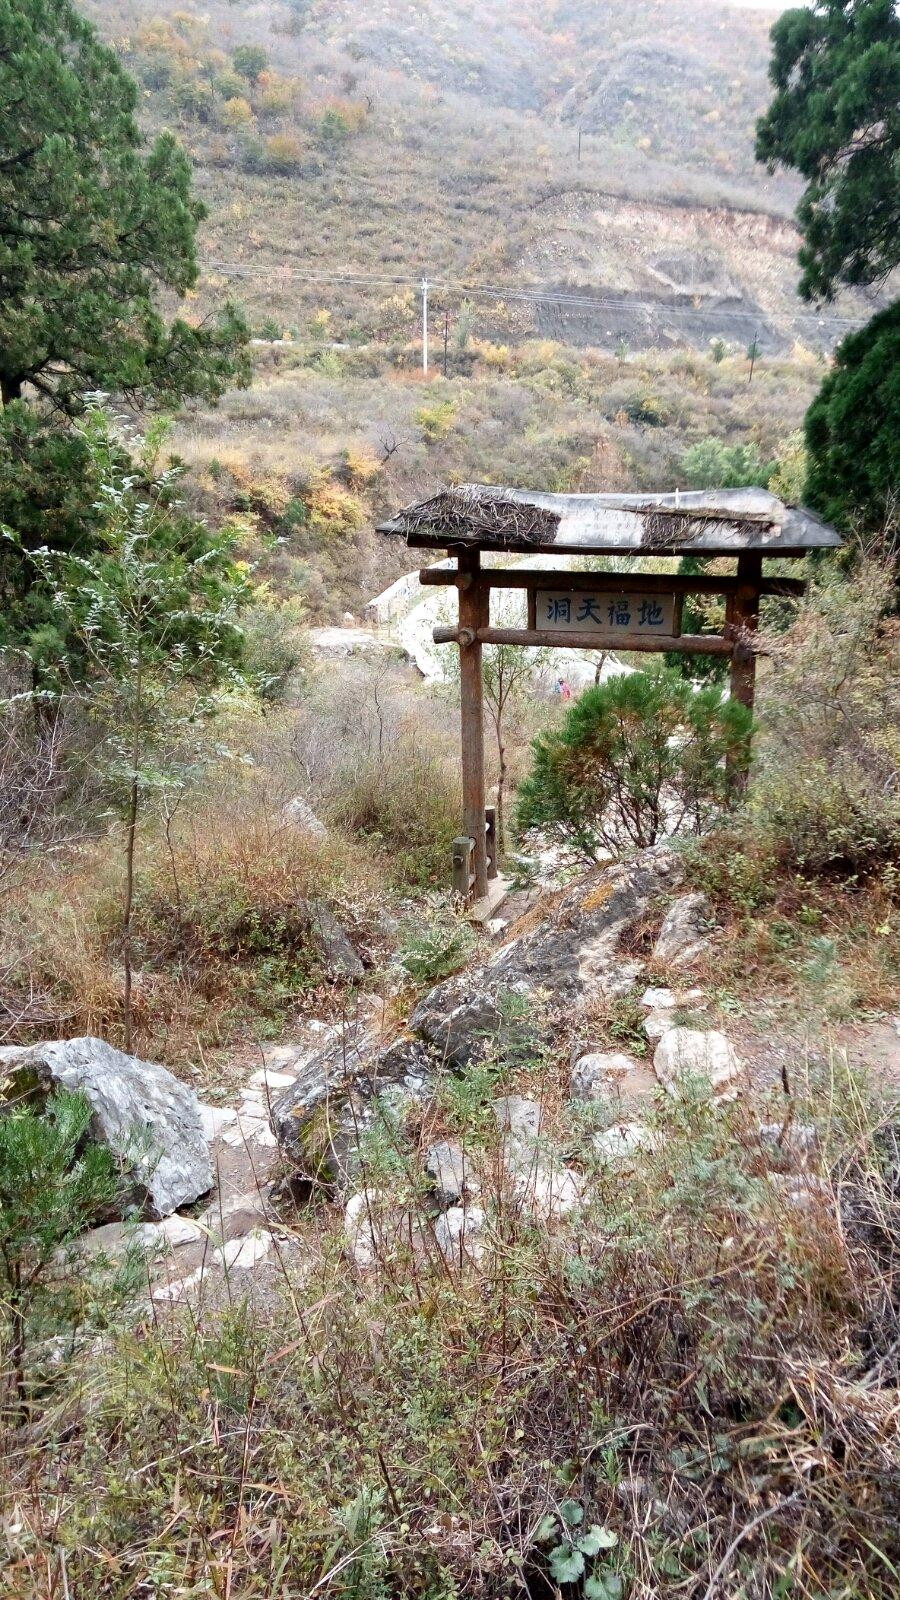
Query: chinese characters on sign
621	616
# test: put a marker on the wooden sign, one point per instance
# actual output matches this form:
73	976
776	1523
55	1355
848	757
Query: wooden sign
633	614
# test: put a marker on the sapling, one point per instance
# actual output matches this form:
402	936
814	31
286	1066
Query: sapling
151	611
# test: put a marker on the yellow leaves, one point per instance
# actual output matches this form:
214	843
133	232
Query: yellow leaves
334	510
361	466
237	112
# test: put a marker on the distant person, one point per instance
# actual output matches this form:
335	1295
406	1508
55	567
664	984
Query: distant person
565	688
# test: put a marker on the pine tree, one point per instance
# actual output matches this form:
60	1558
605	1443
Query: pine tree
835	119
93	224
853	431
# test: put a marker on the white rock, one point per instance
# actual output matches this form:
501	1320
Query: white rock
145	1116
520	1122
624	1140
460	1232
518	1116
270	1078
656	1023
548	1191
111	1239
300	814
804	1190
690	1052
177	1288
659	999
450	1168
232	1218
176	1230
214	1118
375	1227
684	934
592	1072
241	1254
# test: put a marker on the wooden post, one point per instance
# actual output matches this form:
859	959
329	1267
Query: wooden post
474	601
743	615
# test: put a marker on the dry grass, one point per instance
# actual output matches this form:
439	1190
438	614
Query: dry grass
704	1365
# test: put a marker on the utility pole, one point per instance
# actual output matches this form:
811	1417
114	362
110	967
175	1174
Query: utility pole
446	338
425	326
753	352
579	147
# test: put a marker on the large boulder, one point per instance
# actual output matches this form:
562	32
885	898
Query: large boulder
149	1120
576	952
338	1096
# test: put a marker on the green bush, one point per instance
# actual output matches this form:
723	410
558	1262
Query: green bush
712	464
853	429
437	946
52	1187
636	758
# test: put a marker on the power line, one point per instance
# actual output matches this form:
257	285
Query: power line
533	296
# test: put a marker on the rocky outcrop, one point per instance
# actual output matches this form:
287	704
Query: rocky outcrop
145	1116
336	1096
574	953
684	935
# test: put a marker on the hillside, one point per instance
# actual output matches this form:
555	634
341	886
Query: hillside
384	144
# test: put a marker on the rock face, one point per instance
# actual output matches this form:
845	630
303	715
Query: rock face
574	953
684	934
689	1052
335	1098
460	1027
149	1120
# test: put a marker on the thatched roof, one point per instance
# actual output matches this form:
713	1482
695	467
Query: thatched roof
708	522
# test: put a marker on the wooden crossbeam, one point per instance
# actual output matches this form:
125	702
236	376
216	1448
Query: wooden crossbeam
697	644
610	582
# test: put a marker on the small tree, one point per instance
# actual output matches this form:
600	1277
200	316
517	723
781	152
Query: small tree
508	673
52	1186
250	60
638	757
152	614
